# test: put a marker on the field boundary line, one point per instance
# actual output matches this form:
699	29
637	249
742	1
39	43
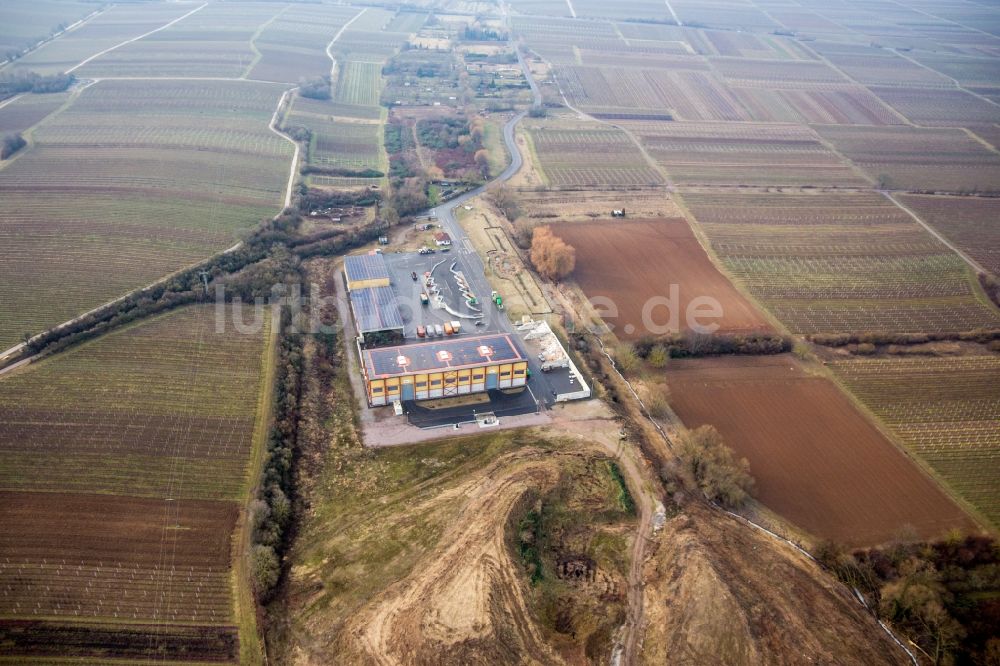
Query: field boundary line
42	42
952	78
932	231
946	20
913	456
670	7
257	55
11	100
251	647
134	39
18	347
343	28
273	126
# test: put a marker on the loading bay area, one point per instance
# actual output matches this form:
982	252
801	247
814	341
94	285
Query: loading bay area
430	336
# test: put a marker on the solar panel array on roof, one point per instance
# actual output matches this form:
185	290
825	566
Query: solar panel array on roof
441	355
365	267
375	309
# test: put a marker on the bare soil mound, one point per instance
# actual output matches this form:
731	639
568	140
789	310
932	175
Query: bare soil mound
465	602
718	592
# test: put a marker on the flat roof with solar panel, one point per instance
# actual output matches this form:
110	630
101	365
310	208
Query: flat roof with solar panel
366	270
376	309
449	354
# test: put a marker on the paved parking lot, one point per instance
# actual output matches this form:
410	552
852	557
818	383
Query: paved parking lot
403	266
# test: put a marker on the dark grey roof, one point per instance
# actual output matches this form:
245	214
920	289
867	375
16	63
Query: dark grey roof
365	267
375	309
449	353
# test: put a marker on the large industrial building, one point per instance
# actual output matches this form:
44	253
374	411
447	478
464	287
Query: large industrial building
430	355
373	300
443	368
363	271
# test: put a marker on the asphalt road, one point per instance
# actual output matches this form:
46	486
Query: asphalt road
475	270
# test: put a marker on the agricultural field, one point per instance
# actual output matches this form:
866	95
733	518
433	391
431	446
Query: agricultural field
921	159
800	19
145	433
829	262
684	94
822	104
215	41
625	10
775	72
945	410
871	66
939	107
129	183
720	14
742	154
816	459
968	222
407	21
29	110
747	45
589	156
112	27
23	25
293	45
968	71
358	83
542	7
339	141
630	269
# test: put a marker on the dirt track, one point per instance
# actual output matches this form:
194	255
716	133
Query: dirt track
719	592
465	603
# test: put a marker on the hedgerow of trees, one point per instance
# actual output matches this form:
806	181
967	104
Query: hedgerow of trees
21	82
271	512
690	344
982	335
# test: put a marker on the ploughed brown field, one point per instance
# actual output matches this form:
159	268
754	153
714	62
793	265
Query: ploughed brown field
631	262
816	459
117	576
